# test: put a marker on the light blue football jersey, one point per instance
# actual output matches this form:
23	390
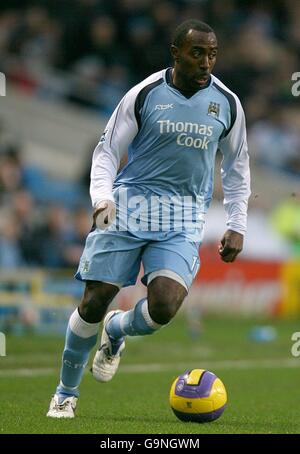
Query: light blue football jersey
172	142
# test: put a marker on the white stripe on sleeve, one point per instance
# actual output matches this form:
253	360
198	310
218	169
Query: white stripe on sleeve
119	132
235	173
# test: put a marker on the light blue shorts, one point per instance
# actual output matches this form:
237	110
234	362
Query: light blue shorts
116	257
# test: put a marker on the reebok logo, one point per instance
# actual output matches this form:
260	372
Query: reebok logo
164	106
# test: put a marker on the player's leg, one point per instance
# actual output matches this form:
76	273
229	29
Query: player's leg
81	337
144	319
109	261
165	296
170	267
82	333
175	262
169	271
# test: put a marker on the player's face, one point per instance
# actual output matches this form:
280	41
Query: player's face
195	59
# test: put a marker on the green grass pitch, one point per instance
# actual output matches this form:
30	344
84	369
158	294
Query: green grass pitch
262	381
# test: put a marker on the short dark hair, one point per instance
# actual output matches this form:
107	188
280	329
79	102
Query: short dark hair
183	29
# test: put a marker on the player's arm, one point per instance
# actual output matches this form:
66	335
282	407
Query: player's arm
235	175
109	153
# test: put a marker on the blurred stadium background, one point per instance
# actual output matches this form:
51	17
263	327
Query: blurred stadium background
67	64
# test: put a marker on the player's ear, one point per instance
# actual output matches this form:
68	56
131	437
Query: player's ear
175	52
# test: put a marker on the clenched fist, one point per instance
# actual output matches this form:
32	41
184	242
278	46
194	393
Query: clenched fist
231	245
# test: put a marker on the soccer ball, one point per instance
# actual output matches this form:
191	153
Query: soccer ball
198	396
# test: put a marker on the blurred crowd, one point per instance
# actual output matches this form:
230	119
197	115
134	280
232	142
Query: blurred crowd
35	230
90	52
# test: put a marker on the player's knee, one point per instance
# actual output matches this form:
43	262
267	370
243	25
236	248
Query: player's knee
163	312
96	299
164	299
90	309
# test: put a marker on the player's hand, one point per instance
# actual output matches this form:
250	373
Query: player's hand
104	214
231	245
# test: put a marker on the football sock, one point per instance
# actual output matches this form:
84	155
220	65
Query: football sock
80	339
136	322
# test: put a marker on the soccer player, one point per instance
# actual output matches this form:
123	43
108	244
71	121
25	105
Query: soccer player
171	124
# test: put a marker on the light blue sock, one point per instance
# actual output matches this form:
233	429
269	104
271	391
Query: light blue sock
136	322
81	337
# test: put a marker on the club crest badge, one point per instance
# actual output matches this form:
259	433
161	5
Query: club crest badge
213	109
